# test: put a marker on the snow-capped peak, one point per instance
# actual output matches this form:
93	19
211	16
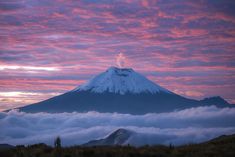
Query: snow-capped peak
121	80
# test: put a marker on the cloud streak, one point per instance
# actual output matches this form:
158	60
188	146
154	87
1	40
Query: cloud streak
190	40
179	127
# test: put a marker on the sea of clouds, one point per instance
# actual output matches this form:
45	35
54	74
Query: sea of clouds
179	127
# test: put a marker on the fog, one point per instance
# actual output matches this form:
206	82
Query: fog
179	127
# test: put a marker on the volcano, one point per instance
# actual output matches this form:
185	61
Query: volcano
120	90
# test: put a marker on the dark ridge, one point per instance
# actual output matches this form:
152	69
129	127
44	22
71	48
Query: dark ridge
221	146
216	100
5	146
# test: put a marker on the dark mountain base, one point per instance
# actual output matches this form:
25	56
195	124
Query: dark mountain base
222	146
5	147
109	102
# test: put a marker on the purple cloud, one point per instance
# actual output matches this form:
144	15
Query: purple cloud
187	40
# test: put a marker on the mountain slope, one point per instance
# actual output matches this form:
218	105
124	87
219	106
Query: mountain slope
129	137
124	137
217	100
118	137
122	91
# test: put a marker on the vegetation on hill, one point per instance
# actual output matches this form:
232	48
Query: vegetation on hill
222	146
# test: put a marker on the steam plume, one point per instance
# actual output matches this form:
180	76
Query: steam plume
121	60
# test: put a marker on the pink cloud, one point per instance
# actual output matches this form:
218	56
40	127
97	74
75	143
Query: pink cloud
182	43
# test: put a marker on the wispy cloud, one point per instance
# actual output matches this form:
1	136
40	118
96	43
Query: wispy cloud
10	100
27	68
168	41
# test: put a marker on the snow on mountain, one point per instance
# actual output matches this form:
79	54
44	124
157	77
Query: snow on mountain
116	80
118	137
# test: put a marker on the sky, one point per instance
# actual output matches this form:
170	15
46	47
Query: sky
50	47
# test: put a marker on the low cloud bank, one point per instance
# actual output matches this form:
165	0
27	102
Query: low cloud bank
186	126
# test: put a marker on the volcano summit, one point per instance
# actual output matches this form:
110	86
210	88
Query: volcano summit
122	91
121	81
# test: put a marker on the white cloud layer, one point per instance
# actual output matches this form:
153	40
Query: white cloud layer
179	127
